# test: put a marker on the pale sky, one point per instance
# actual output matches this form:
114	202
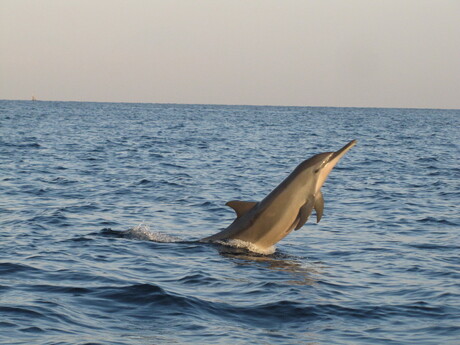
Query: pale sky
371	53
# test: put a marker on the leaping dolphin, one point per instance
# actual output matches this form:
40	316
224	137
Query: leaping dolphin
286	208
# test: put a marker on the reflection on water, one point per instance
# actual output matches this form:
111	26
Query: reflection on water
299	272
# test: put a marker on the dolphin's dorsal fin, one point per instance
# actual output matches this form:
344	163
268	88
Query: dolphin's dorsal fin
319	206
241	207
305	212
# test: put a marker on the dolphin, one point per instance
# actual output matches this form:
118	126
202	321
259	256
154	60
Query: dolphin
286	208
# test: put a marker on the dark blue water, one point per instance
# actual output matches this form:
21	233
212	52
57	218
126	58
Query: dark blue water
382	266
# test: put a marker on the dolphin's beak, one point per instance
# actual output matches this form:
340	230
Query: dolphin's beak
330	162
340	153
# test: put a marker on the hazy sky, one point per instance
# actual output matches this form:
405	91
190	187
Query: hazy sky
390	53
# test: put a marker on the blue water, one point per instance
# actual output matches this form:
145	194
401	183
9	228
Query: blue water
382	266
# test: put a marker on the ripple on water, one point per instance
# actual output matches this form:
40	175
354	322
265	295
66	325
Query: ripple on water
380	268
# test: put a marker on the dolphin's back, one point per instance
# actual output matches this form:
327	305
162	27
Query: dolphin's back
271	219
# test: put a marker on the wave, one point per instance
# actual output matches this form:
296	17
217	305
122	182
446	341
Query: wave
147	294
137	300
15	268
151	295
32	144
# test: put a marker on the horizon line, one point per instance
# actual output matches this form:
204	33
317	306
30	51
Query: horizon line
224	104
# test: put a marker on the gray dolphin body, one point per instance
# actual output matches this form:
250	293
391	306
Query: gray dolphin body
286	208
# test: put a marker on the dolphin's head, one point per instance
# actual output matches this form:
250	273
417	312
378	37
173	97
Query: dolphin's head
322	164
328	162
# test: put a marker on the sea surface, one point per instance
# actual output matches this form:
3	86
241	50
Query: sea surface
102	204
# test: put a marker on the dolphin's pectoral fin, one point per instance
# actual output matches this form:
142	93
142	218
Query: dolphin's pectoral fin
241	207
319	206
304	213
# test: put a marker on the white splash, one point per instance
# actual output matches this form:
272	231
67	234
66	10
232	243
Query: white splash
143	232
248	245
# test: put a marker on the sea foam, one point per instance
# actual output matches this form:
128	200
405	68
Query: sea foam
248	245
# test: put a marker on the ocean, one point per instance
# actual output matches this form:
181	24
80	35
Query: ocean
102	204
